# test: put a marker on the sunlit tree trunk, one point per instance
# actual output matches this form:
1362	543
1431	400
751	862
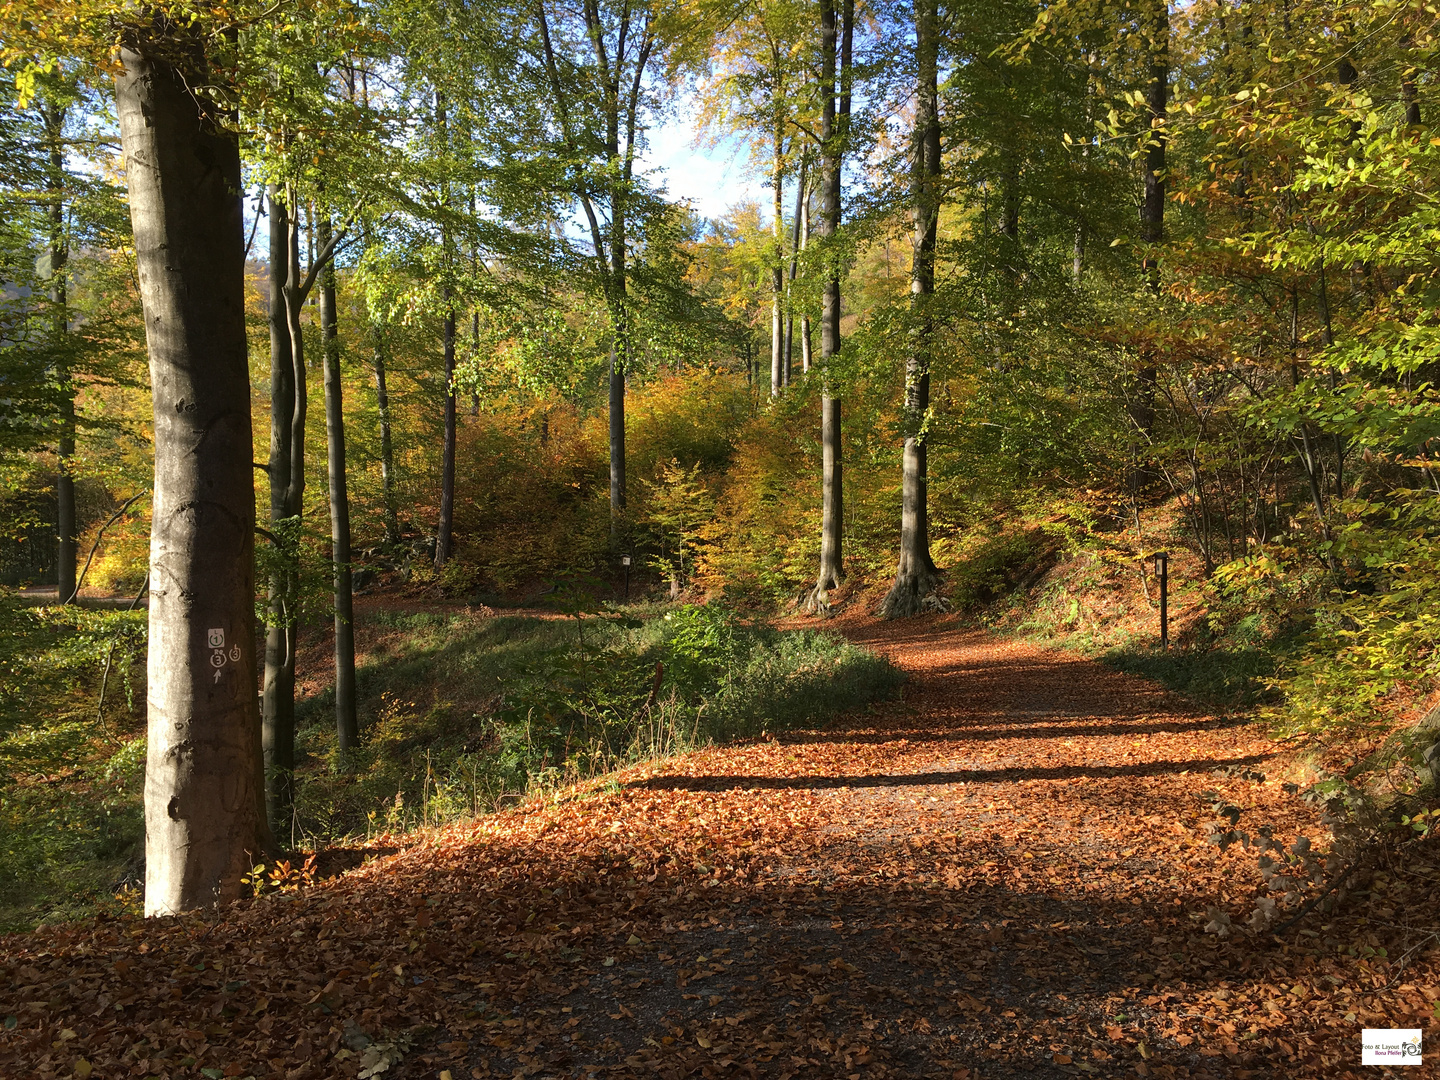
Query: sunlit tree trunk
387	445
445	528
388	496
347	727
777	265
807	358
53	117
917	576
1152	231
203	820
278	686
618	82
620	336
289	406
795	241
833	131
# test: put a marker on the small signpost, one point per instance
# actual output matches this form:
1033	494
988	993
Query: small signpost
625	562
1162	573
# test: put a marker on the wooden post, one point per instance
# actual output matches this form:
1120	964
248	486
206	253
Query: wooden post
1162	571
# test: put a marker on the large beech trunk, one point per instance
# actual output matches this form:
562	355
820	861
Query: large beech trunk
916	578
347	726
203	820
833	131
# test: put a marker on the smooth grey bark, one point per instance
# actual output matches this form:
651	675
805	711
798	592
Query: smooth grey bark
278	684
347	726
834	128
795	249
445	525
777	267
617	94
806	357
289	406
67	543
475	348
617	440
1141	409
917	577
203	820
445	528
387	445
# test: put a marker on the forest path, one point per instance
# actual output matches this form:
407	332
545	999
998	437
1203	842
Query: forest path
1004	874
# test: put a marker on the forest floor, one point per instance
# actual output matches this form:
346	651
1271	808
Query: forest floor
1006	873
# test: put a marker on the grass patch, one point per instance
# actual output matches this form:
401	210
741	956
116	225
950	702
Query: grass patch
462	714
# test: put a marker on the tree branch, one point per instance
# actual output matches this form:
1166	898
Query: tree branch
98	537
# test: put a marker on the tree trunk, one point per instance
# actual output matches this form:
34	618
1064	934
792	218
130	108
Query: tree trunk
806	359
279	727
444	532
833	133
916	578
347	727
777	264
58	255
387	446
445	527
794	269
278	686
203	821
1010	225
617	444
619	364
475	339
1152	231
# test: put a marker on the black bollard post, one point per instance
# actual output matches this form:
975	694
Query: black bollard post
625	562
1162	571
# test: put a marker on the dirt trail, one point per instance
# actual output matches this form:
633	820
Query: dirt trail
1002	875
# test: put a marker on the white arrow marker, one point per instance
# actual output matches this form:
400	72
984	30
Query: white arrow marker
217	675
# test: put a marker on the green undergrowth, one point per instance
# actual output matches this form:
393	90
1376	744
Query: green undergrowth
71	774
462	714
